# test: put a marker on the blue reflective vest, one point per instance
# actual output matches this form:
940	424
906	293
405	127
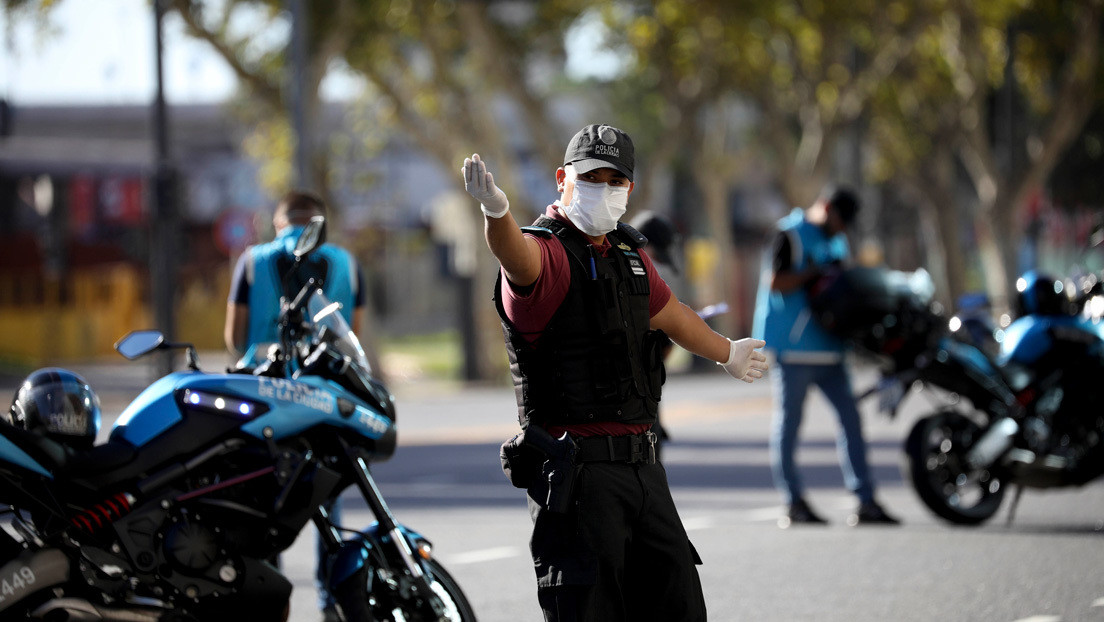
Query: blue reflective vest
263	273
784	320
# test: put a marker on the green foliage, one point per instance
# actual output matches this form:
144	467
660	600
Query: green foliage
433	356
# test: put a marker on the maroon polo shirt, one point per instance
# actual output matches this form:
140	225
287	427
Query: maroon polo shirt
530	309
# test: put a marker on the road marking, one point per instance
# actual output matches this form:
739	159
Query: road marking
698	522
760	514
484	555
754	515
1040	619
1098	602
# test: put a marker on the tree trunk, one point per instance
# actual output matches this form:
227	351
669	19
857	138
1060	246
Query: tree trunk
942	213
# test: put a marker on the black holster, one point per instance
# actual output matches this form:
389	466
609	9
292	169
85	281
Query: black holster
535	460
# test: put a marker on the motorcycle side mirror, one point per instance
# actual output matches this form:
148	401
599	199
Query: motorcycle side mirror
139	342
313	236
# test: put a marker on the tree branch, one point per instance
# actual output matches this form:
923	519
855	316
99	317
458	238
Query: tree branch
190	11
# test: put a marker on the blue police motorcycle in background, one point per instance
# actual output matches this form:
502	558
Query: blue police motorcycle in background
1027	415
206	478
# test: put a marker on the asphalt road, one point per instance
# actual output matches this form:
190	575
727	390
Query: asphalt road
1046	566
445	482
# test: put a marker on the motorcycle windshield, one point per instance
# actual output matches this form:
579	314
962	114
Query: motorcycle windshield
326	315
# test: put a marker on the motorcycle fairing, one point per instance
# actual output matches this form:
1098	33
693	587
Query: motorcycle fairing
309	401
971	357
10	452
151	413
354	553
297	406
1029	338
964	369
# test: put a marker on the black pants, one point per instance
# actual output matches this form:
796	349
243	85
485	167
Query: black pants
620	554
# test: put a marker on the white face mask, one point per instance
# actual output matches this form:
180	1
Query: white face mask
595	207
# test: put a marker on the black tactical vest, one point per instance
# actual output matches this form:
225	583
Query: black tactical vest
596	361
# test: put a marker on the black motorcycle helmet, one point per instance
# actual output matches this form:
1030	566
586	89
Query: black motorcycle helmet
59	404
1038	293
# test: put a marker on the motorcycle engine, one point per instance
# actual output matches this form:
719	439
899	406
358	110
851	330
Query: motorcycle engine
191	547
181	556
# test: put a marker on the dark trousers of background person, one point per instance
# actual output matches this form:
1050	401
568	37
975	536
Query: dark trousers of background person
791	383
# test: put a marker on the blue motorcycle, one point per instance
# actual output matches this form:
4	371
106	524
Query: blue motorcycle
206	478
1024	417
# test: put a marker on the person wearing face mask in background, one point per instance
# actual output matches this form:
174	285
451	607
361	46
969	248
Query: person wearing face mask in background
584	313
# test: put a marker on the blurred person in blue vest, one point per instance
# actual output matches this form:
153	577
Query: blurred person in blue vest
808	243
258	283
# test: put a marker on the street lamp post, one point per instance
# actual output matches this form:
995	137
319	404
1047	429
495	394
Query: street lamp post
163	213
296	82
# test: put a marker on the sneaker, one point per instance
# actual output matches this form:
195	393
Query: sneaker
800	513
871	513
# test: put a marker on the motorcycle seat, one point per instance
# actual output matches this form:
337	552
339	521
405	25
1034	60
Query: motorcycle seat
43	450
101	458
60	459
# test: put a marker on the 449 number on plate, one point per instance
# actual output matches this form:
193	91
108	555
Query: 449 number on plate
16	581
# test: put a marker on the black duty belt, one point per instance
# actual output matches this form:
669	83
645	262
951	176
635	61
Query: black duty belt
637	448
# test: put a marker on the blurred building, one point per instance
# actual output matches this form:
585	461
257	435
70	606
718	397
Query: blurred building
75	192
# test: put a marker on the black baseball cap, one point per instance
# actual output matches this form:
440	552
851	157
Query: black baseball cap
601	146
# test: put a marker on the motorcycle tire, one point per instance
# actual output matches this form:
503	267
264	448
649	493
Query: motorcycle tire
358	604
935	460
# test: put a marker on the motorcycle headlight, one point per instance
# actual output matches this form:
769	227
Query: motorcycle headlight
220	403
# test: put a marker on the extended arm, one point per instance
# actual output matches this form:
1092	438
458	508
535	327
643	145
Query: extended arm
235	331
237	325
520	256
740	358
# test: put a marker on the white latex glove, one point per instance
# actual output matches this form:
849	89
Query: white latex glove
745	362
480	184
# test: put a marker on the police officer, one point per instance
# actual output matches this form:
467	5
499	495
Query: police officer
583	311
258	283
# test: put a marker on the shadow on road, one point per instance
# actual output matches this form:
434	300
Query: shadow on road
469	475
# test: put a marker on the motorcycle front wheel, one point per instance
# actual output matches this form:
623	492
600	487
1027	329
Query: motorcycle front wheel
367	598
935	459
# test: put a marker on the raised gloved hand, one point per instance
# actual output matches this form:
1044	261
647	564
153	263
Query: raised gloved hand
745	362
480	184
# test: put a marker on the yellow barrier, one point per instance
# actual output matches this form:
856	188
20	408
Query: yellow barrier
104	304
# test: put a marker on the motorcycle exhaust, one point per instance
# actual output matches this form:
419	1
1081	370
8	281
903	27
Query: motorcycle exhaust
80	610
992	445
71	609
